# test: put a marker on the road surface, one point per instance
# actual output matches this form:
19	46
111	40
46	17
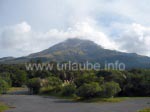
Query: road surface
33	103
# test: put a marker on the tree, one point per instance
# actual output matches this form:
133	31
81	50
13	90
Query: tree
18	78
85	78
41	74
69	90
54	81
34	85
137	84
6	77
89	90
110	89
3	86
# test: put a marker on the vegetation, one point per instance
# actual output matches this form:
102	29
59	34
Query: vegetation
89	90
34	85
110	89
3	86
69	90
14	89
99	100
145	110
82	84
3	107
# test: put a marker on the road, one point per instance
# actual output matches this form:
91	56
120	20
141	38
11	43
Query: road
33	103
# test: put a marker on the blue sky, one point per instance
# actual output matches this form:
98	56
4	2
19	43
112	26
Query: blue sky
28	26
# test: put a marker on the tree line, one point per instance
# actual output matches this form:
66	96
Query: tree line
84	84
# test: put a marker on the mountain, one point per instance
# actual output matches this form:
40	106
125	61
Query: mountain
6	59
77	50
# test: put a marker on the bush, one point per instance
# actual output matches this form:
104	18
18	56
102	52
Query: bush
89	90
145	110
34	85
51	85
18	78
110	89
68	90
3	86
54	81
85	78
6	77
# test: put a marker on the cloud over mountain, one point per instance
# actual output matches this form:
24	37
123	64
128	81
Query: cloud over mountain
21	39
33	25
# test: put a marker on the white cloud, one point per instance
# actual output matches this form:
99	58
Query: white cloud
135	38
20	39
14	36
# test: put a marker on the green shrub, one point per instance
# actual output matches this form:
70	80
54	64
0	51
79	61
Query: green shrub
68	90
85	78
18	78
89	90
3	86
54	81
51	85
145	110
34	85
110	89
6	77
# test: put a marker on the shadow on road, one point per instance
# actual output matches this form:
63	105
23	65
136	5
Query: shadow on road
56	100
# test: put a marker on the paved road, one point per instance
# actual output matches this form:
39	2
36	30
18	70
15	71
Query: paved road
32	103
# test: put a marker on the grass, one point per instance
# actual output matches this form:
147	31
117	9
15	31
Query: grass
113	100
88	100
92	100
145	110
3	107
56	95
100	100
14	89
45	92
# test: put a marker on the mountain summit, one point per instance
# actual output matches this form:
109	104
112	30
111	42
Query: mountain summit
78	50
70	48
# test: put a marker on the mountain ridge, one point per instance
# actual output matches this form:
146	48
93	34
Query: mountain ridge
78	50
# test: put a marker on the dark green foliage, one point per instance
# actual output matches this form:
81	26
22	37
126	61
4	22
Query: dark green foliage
18	78
135	82
104	73
6	77
34	85
85	78
41	74
3	86
54	81
113	75
16	73
110	89
89	90
69	90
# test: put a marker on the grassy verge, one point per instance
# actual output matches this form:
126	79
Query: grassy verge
73	97
3	107
145	110
101	100
88	100
14	89
92	100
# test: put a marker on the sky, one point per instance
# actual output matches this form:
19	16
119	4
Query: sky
29	26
